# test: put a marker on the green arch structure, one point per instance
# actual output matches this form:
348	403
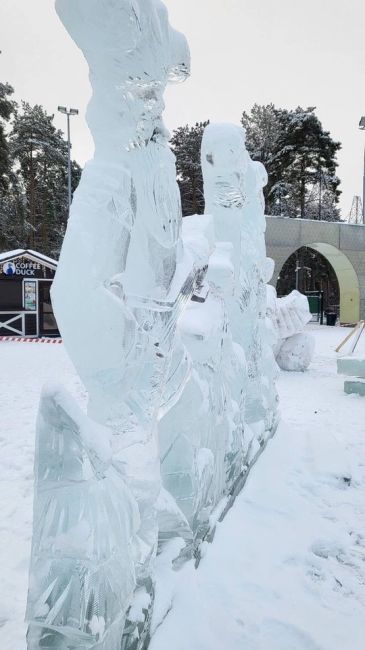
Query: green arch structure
347	279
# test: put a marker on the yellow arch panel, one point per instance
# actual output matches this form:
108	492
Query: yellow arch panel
346	276
347	280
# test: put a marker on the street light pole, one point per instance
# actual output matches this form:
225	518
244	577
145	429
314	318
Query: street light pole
69	172
363	191
297	269
68	113
362	127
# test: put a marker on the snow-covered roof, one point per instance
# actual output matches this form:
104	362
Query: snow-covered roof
22	251
16	253
42	257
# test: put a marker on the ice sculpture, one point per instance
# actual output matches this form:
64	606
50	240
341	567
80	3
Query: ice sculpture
123	280
233	187
166	326
290	314
187	465
195	431
85	523
228	406
293	348
296	353
124	276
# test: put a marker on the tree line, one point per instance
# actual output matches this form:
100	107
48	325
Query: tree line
33	177
299	155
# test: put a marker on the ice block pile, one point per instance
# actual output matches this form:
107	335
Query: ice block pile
165	322
353	367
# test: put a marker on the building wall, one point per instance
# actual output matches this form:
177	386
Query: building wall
284	236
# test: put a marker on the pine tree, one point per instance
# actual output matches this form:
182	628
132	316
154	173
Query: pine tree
186	145
311	153
321	204
14	232
7	107
39	153
300	158
264	127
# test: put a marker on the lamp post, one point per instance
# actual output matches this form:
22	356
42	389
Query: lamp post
299	277
68	112
362	127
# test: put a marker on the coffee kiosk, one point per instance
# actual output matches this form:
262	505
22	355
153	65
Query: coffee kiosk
25	301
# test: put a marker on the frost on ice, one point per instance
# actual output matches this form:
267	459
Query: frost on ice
166	326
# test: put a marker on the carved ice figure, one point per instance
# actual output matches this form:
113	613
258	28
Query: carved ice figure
85	523
289	314
201	437
233	188
124	277
123	280
293	348
187	466
204	329
195	431
206	444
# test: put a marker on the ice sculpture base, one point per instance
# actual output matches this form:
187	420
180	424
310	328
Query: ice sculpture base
85	540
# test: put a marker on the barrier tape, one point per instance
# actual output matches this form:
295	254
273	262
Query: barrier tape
20	339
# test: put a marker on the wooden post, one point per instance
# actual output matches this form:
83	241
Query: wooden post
361	325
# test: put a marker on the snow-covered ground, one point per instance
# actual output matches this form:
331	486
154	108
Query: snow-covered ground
286	570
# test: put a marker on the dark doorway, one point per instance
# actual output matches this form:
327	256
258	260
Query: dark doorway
308	271
47	321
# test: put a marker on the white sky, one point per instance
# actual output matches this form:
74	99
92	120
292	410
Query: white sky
288	52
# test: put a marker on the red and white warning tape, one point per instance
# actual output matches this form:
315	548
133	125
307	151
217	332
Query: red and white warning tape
20	339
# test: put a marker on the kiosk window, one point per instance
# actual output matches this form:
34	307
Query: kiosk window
30	295
11	295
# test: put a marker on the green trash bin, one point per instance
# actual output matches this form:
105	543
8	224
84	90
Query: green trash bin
314	304
331	318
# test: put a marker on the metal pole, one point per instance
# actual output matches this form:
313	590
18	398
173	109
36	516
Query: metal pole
321	303
320	195
363	191
297	269
69	162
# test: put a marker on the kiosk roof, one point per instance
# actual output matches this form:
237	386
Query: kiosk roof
22	251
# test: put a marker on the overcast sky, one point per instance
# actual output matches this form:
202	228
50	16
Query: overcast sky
288	52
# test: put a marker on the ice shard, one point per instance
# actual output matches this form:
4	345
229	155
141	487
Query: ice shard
82	574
